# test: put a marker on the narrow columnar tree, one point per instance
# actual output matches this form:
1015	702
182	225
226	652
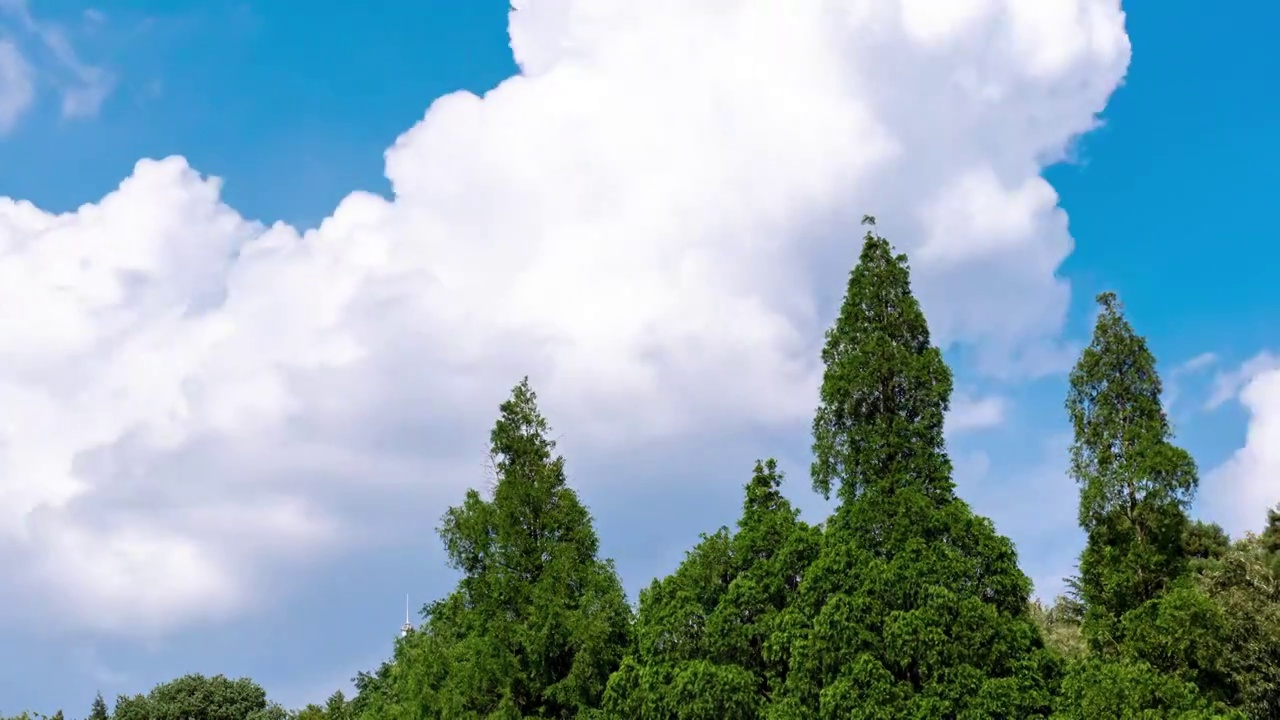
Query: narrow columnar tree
1160	644
1135	484
916	607
99	709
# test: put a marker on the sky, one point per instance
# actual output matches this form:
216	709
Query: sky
266	275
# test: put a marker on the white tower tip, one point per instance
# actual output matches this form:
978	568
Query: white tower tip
408	626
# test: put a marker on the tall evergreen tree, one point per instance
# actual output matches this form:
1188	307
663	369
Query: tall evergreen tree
703	633
916	607
99	709
1135	484
538	623
1160	643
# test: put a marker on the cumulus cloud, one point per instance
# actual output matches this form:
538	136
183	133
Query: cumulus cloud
652	220
1238	493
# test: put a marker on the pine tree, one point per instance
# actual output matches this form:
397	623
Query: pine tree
99	709
537	623
703	633
916	606
337	707
1135	484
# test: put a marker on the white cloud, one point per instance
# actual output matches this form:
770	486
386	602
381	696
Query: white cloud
84	86
1200	362
1227	385
1238	493
16	89
1173	380
969	413
1034	505
648	221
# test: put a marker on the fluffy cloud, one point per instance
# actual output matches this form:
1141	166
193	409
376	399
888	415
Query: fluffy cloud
652	220
1238	493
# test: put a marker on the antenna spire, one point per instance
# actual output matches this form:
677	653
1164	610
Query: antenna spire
408	626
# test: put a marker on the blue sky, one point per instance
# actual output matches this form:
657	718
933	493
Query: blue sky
1165	199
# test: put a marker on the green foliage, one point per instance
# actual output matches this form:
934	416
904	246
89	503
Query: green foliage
1244	582
196	697
99	709
704	633
335	708
537	623
375	694
886	389
1135	485
1059	624
1161	643
1131	690
915	607
1204	541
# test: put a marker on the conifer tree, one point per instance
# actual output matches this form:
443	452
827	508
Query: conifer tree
916	607
1160	643
99	709
1135	484
538	623
703	633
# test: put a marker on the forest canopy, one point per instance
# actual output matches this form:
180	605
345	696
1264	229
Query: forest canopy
903	603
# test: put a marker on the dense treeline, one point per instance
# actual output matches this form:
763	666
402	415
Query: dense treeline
903	604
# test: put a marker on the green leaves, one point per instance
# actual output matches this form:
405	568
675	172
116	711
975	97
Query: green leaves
99	709
886	390
1162	644
1132	690
1135	485
710	643
915	607
537	623
197	697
